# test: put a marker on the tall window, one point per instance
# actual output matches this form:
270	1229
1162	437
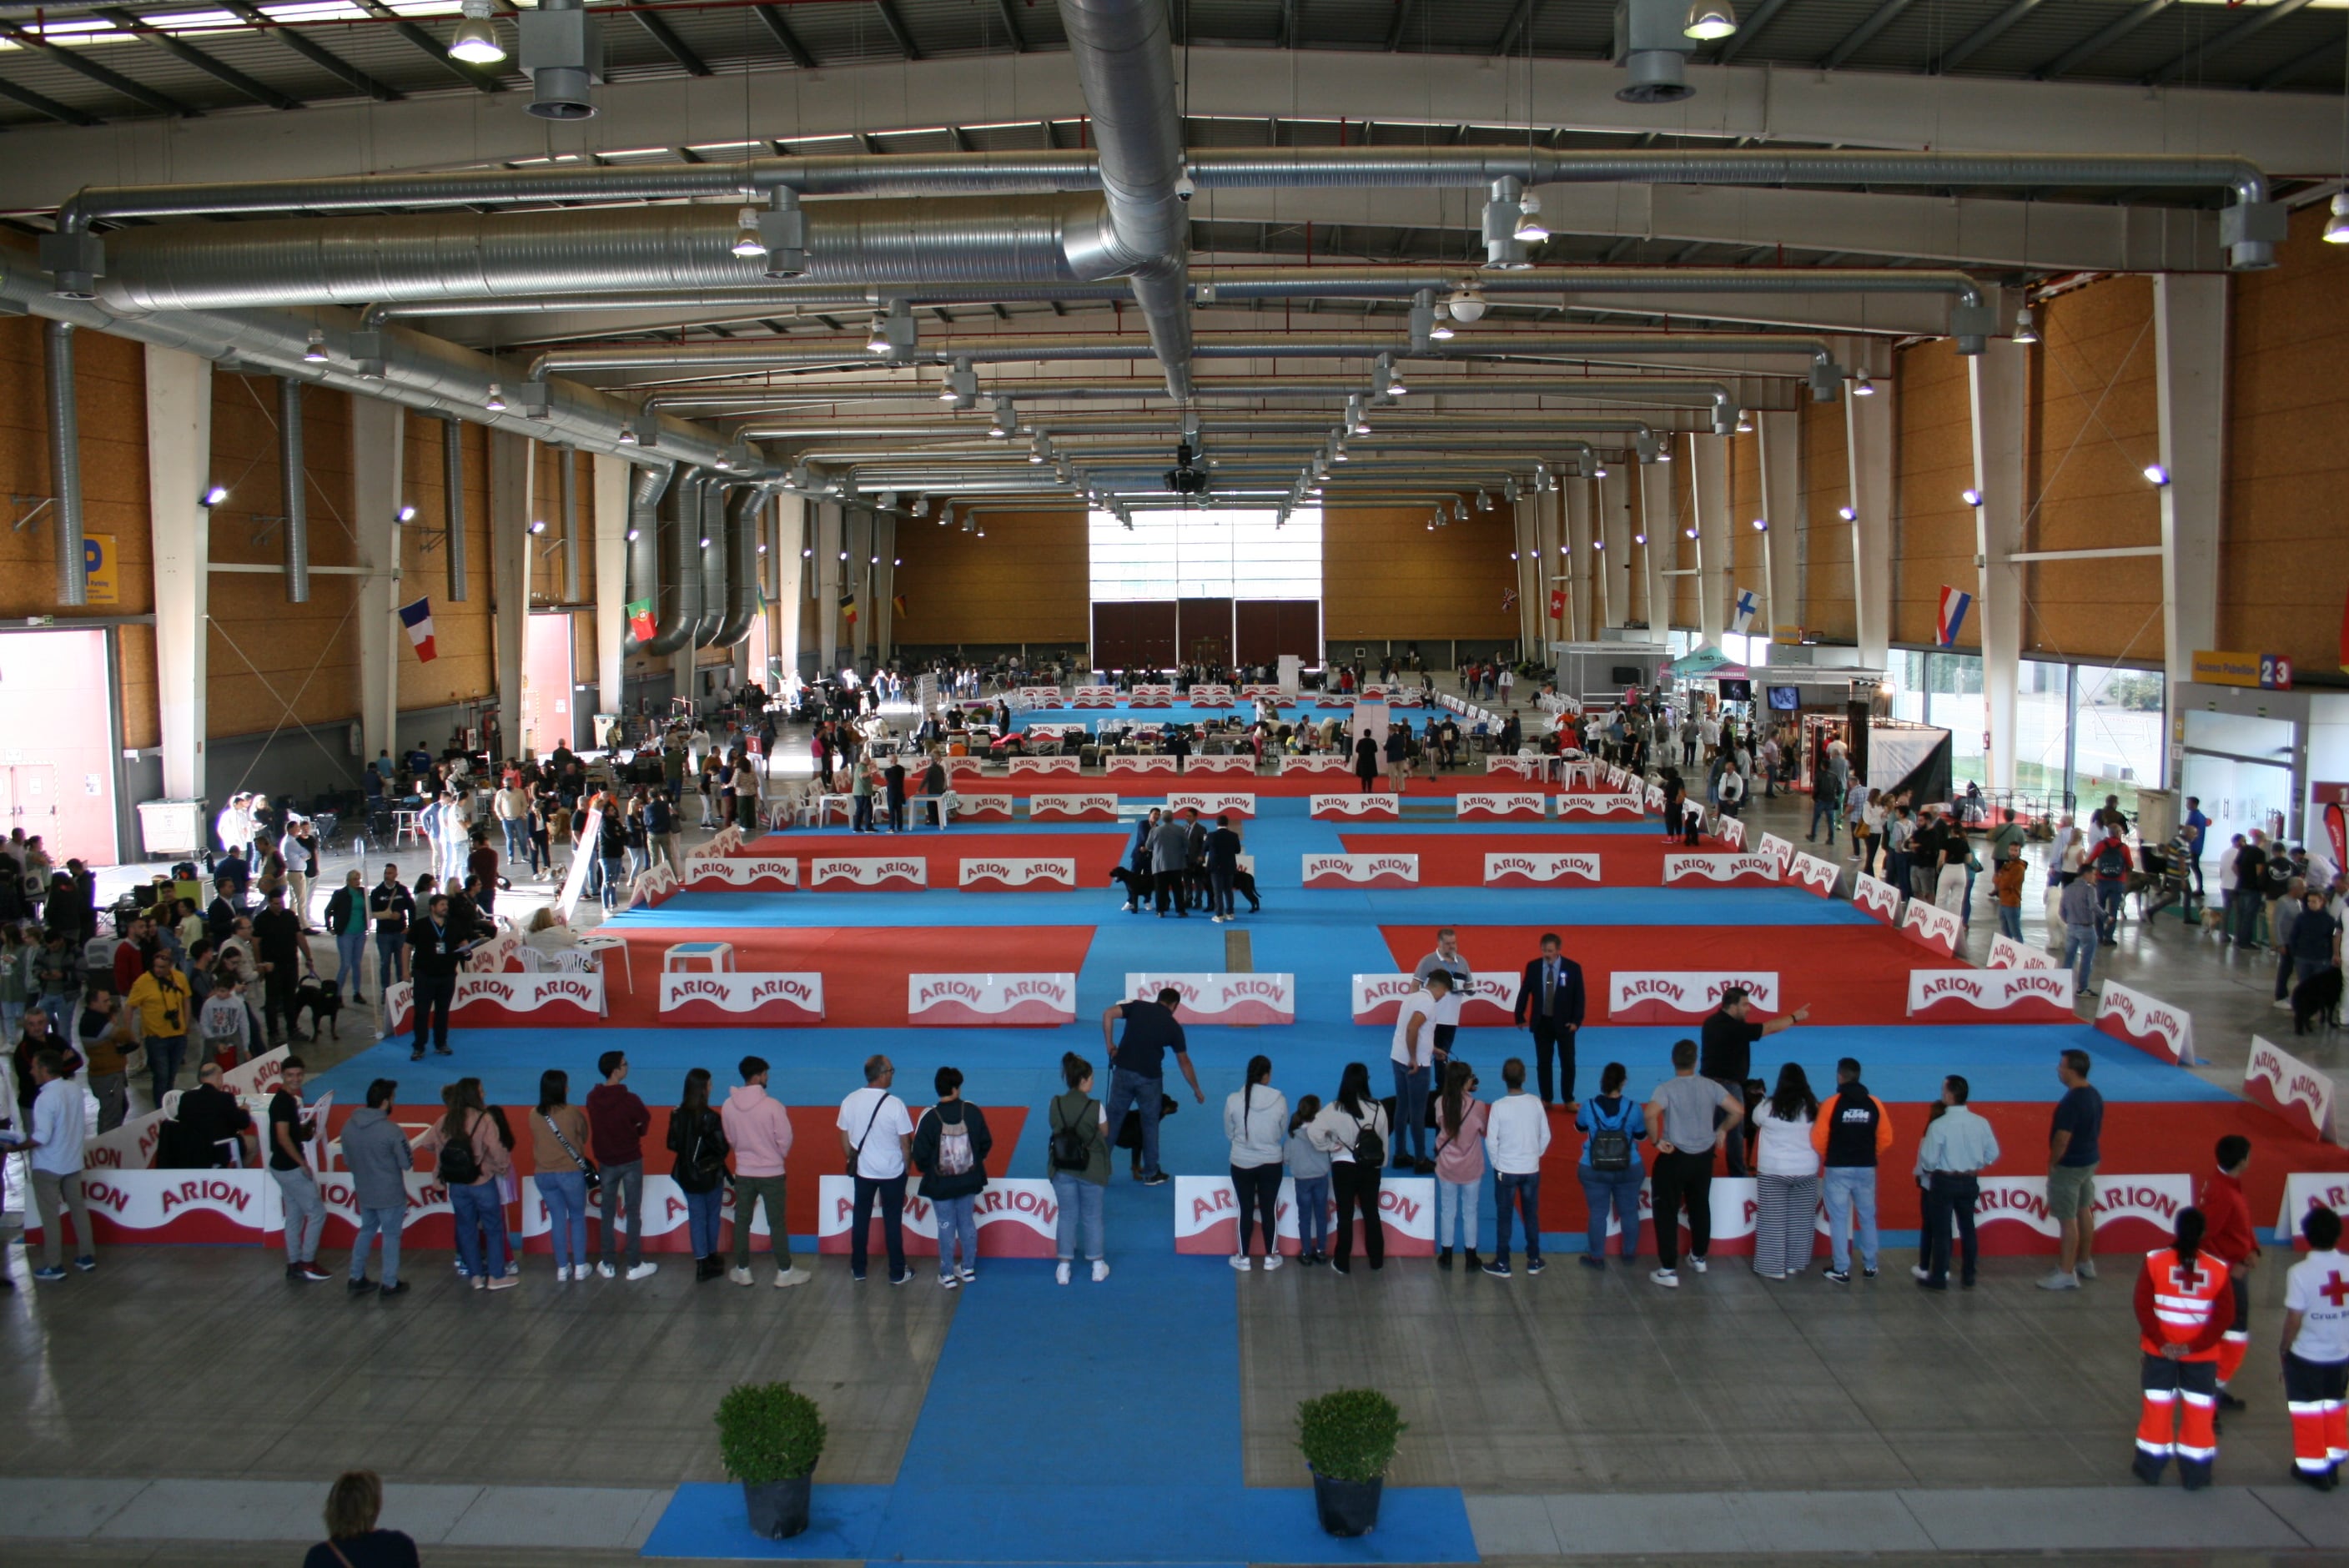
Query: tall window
1206	555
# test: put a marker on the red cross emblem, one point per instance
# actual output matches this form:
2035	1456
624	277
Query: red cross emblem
2188	1282
2335	1289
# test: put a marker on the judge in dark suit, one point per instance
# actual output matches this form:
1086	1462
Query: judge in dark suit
1550	1002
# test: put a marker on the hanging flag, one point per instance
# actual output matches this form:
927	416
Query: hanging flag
1557	603
1741	614
1508	598
641	622
848	605
898	602
418	619
1954	601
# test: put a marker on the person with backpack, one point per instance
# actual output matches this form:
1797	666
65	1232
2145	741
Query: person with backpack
1460	1122
950	1150
1353	1132
1610	1169
469	1157
696	1137
876	1138
1077	1155
1256	1120
2111	862
1309	1170
760	1131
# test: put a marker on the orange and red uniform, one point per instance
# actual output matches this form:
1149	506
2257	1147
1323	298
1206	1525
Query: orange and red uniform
2187	1304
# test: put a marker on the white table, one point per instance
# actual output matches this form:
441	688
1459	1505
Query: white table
599	943
719	956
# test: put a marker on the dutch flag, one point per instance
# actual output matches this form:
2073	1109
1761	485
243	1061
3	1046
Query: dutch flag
1952	615
418	619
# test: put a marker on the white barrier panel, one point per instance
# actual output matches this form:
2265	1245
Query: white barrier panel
849	871
960	1001
1151	696
1377	999
1635	997
1207	1216
978	806
1094	696
1523	767
1779	850
1376	805
1239	762
1016	1216
966	764
1539	867
2133	1214
1319	762
2001	996
1138	765
1624	805
1877	897
2303	1096
489	1000
2007	954
1044	765
1004	874
1928	923
741	873
1722	870
260	1074
1205	695
490	957
1221	999
2149	1024
1492	805
734	997
130	1147
2305	1189
1810	872
1730	831
1060	731
653	888
1211	804
1072	806
1655	797
1041	695
214	1208
1361	870
1254	689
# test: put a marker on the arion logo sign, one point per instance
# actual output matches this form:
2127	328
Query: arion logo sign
1660	996
1017	873
1378	805
1070	805
867	873
2034	992
982	999
787	996
1361	870
1221	999
1536	866
1499	803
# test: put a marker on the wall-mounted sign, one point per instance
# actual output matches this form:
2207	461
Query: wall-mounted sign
2262	672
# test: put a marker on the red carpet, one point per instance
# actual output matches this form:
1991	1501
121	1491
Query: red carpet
1151	786
864	967
1095	852
1846	974
1457	859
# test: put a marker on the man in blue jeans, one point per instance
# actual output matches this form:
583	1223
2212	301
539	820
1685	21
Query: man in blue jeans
390	906
1851	1132
1516	1136
1413	1056
2110	860
1138	1069
2077	908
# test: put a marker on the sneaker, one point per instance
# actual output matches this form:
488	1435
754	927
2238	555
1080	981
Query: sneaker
739	1276
1444	1259
563	1273
969	1273
1101	1270
644	1270
480	1283
2058	1280
48	1271
360	1285
398	1289
2088	1269
1589	1261
856	1276
1126	908
1697	1263
2315	1480
2282	1003
608	1270
1242	1262
948	1281
1838	1276
786	1278
1498	1268
1155	1179
504	1282
311	1273
1534	1264
1061	1274
1666	1278
1272	1261
902	1276
1920	1273
442	1051
1868	1271
86	1262
416	1055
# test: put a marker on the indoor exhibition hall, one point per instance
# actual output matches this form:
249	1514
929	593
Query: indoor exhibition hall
1198	783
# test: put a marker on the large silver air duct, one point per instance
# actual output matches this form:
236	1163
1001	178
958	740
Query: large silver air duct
297	490
645	494
678	599
741	567
714	550
65	467
452	483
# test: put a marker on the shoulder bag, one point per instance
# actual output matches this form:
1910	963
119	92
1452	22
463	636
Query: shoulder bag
857	1155
586	1166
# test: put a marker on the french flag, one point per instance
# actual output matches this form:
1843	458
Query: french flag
1954	603
418	619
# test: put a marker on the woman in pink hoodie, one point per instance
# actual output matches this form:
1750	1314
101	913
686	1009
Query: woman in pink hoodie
759	1130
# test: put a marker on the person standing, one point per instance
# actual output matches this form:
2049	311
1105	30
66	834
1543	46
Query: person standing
1517	1136
696	1137
1398	755
1851	1134
2006	885
1077	1156
1610	1168
2229	1236
436	952
1785	1176
108	1036
758	1130
2193	836
1728	1034
1551	1003
377	1154
2315	1343
1412	1054
950	1150
1255	1121
1366	763
54	1144
470	1158
1170	861
1447	958
1461	1122
346	920
558	1147
1958	1146
877	1137
306	1210
2181	1316
2073	1149
2076	908
1353	1132
1308	1169
619	1122
1137	1063
2109	858
893	785
1223	869
165	1010
1684	1112
391	908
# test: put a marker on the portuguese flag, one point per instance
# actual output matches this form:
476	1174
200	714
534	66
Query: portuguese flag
641	625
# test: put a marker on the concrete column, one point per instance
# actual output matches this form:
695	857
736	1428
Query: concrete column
1577	524
378	490
1997	381
179	469
1867	440
1661	550
1525	533
1611	574
607	502
1716	564
1780	438
788	598
2190	346
510	547
830	532
884	586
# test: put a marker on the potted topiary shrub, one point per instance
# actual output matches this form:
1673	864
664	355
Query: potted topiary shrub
769	1437
1349	1440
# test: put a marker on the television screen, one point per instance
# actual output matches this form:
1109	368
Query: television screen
1785	700
1625	675
1736	691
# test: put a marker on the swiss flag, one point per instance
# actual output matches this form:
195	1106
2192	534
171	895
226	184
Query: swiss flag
1557	603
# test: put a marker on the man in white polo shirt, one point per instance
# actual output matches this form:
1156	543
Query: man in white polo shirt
1415	1053
875	1137
2315	1342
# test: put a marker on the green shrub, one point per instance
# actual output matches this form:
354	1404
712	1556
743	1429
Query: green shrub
1350	1434
769	1431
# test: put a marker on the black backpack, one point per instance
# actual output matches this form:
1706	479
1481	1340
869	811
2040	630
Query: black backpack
459	1165
1370	1149
1068	1151
1610	1146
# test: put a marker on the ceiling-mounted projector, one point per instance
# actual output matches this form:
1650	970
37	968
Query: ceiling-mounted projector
1186	478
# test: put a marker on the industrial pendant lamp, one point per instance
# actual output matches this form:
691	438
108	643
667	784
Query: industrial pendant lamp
2336	226
2025	330
749	243
475	42
1709	21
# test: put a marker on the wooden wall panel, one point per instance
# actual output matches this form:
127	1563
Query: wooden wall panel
2093	407
1828	611
1746	504
111	384
1029	581
466	667
1384	575
1933	528
2284	558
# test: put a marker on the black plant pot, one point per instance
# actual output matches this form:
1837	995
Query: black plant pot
1347	1507
779	1509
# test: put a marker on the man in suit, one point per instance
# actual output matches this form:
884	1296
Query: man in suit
1549	1001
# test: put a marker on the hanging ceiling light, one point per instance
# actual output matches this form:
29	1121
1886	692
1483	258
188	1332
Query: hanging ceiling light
405	514
1971	496
877	340
1599	472
215	494
1689	532
2336	226
2155	474
1845	513
1467	304
538	525
1639	539
1761	525
2025	331
1529	230
749	243
627	435
1598	545
1709	21
1861	387
496	401
315	353
635	534
475	41
1441	331
1484	502
1000	426
1744	423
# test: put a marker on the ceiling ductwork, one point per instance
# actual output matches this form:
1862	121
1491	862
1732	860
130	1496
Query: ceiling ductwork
644	493
677	602
715	520
742	607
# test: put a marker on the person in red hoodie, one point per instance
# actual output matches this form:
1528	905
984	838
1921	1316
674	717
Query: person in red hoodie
2229	1237
2180	1322
758	1130
616	1122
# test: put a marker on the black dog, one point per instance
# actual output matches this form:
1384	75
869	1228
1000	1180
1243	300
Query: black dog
1138	886
323	1002
2318	997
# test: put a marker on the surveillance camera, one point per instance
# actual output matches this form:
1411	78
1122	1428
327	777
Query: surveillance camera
1182	185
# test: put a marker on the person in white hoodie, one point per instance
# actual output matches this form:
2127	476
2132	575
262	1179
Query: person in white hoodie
1516	1135
758	1131
1255	1119
58	1132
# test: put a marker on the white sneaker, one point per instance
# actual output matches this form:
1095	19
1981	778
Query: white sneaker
1061	1274
644	1270
1101	1270
739	1276
1242	1262
563	1273
1697	1263
1919	1271
968	1272
608	1270
1667	1278
2282	1003
1271	1262
1126	908
786	1278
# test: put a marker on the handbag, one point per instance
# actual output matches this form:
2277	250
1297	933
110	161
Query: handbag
586	1166
857	1155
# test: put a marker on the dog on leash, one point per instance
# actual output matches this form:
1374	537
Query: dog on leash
323	1002
1139	884
2317	999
